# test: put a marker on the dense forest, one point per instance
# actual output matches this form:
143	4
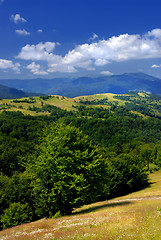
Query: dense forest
51	164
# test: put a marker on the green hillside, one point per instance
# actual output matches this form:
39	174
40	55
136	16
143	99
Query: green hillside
59	153
134	216
142	103
8	93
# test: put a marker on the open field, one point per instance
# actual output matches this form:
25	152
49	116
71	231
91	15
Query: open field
134	216
108	99
58	101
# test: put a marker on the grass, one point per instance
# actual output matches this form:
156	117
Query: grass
58	101
134	216
69	103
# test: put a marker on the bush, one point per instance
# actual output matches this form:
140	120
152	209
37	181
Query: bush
16	214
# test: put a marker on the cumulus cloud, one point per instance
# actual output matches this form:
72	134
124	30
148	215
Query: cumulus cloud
107	73
156	66
36	69
155	33
22	32
91	55
17	18
7	64
39	52
118	48
44	52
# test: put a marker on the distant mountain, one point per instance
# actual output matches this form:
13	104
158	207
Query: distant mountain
9	93
72	87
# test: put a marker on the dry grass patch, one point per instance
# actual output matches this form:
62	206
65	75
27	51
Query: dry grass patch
130	217
58	101
134	221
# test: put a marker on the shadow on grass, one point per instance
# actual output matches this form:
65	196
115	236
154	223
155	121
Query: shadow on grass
95	208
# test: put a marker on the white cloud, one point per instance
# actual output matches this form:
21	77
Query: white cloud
39	31
44	52
39	52
156	66
36	69
101	62
8	64
121	48
155	33
89	56
93	37
22	32
55	67
107	73
17	18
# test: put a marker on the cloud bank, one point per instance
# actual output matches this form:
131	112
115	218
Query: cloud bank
91	55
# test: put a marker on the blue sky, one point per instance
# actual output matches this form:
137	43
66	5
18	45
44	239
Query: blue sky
59	38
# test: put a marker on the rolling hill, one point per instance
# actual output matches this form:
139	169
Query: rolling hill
9	93
72	87
125	129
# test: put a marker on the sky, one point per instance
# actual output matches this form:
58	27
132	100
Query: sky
70	38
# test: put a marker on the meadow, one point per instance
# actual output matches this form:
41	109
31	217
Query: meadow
54	100
141	103
133	216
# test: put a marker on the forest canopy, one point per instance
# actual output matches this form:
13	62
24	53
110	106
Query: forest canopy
50	165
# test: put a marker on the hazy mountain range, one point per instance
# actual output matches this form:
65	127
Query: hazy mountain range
9	93
72	87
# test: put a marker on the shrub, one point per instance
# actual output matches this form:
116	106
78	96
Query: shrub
16	214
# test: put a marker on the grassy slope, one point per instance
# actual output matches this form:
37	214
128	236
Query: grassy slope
134	216
58	101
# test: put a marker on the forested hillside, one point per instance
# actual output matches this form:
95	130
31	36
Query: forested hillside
9	93
53	160
87	85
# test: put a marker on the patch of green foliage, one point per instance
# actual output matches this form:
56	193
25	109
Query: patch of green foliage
29	100
149	105
16	214
50	165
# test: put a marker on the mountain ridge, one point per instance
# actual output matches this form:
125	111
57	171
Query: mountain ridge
9	93
73	87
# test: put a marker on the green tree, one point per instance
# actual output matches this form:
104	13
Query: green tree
69	172
16	189
147	155
16	214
